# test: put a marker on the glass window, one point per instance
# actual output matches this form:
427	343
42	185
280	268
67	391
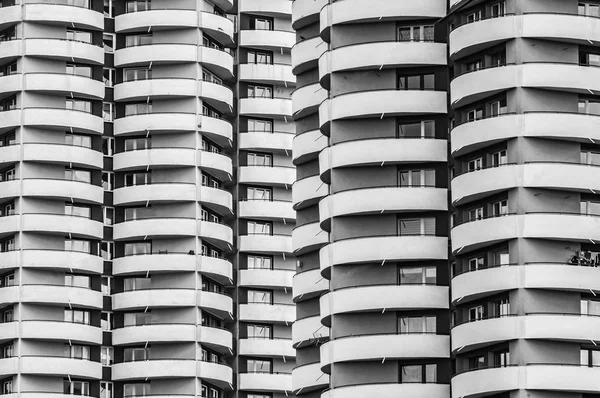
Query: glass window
78	281
500	208
131	284
136	354
258	193
258	366
411	374
418	275
417	324
259	331
476	263
78	140
476	313
263	24
108	41
416	226
76	387
79	70
132	74
259	262
260	297
77	316
82	246
261	228
260	126
134	179
106	321
498	9
138	248
77	35
477	362
137	318
106	389
77	351
475	214
77	210
79	105
475	164
136	390
416	178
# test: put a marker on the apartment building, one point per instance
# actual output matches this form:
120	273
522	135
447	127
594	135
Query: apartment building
145	198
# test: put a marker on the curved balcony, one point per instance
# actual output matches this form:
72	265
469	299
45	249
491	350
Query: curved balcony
62	189
220	61
9	295
265	382
9	260
272	8
384	199
11	15
306	12
307	330
267	175
308	191
216	338
10	189
60	366
305	54
76	156
62	260
267	39
382	297
267	244
63	120
390	54
156	123
218	303
376	347
154	158
9	154
266	209
9	331
276	108
488	381
10	84
279	74
266	278
217	268
61	295
389	390
277	141
382	248
62	224
156	88
218	95
9	366
61	331
10	119
307	238
219	130
306	99
308	378
218	374
308	284
63	15
166	192
64	50
261	312
158	53
156	227
563	377
371	104
154	369
11	49
10	225
154	298
219	164
154	333
64	84
306	146
257	347
216	198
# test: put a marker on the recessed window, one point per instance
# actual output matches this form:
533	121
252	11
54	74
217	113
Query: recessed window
136	389
475	214
416	178
475	164
77	316
418	373
138	248
138	40
78	245
133	179
79	70
258	366
422	129
136	354
7	209
500	208
210	77
416	226
501	307
477	362
260	126
417	82
476	313
259	228
476	263
108	41
78	210
77	351
73	387
78	105
138	5
260	91
106	389
137	318
259	331
474	16
498	9
260	57
78	281
499	158
589	106
474	114
262	24
502	358
260	297
109	7
423	275
255	193
417	324
78	35
416	33
259	262
143	108
260	159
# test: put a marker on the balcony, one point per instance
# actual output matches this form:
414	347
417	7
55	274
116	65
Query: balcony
306	330
389	346
306	99
218	374
305	54
166	192
157	88
64	84
154	298
266	278
216	198
272	8
267	244
260	347
61	260
219	164
154	333
278	74
218	234
216	338
267	39
219	130
9	189
261	312
63	119
309	377
62	189
217	303
387	390
265	175
219	61
383	248
219	269
9	331
265	382
9	154
61	331
472	235
62	224
266	210
64	14
11	15
309	284
562	378
308	237
10	84
155	262
488	381
279	142
217	95
9	260
306	146
158	53
64	50
60	366
61	295
390	297
145	20
154	158
10	225
9	119
276	108
165	227
308	191
156	123
306	12
154	369
9	295
71	155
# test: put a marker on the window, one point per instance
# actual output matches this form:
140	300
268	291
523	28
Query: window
106	321
136	354
259	262
476	214
590	357
259	331
138	40
498	59
418	275
8	69
590	307
498	9
78	175
7	139
499	158
477	362
589	9
133	74
7	387
260	159
208	111
416	226
210	356
210	181
106	389
416	33
137	318
78	210
143	108
501	307
210	146
78	105
77	316
210	321
8	104
474	114
73	387
259	228
255	193
131	284
106	285
260	92
476	263
77	352
210	42
133	179
136	390
475	65
417	324
474	16
79	3
137	144
588	157
260	57
590	207
76	245
7	280
423	129
79	70
138	5
137	213
416	178
417	82
78	35
502	358
78	281
418	373
138	248
108	180
108	214
7	175
109	6
7	209
475	164
78	140
8	351
263	24
500	258
476	313
500	208
7	315
210	77
260	297
208	285
258	366
260	126
590	107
